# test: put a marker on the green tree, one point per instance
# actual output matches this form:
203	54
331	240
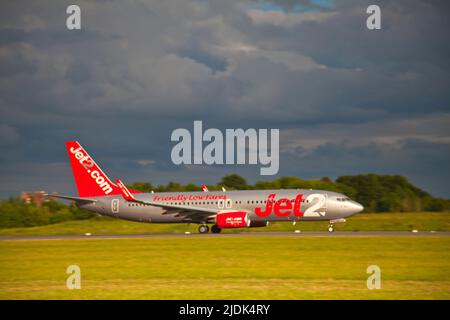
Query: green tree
142	186
380	193
234	181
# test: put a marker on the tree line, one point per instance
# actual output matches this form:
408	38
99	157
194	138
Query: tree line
377	193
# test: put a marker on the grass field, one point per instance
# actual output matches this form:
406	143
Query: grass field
425	221
227	268
268	267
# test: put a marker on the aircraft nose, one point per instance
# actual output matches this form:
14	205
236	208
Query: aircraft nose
356	207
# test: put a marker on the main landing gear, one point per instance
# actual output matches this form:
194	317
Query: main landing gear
203	228
330	228
215	229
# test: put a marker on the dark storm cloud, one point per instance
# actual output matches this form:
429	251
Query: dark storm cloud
349	100
212	62
44	38
14	65
415	158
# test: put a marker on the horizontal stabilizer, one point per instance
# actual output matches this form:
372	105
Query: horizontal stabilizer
76	199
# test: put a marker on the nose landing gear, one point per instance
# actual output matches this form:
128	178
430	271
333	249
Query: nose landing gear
332	222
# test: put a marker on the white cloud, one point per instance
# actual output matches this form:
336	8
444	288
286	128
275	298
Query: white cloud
288	19
145	163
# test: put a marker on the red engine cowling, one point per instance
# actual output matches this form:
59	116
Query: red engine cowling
237	219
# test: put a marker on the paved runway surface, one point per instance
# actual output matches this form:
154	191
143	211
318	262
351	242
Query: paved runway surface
243	234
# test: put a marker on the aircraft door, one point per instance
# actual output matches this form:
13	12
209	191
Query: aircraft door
225	204
115	206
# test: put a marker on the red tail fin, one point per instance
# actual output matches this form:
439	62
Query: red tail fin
91	181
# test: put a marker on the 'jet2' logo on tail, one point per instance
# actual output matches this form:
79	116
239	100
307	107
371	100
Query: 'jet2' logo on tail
88	164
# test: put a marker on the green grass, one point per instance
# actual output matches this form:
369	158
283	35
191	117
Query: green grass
425	221
268	267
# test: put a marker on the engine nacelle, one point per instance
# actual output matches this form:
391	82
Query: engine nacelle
238	219
258	224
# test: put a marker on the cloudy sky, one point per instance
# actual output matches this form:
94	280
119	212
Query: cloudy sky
347	100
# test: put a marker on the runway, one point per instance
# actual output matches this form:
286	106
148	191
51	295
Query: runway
225	235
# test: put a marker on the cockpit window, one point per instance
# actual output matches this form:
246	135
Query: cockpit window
343	199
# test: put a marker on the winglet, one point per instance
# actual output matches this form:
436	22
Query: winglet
126	194
204	188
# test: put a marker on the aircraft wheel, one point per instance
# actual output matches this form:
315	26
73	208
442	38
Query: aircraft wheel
215	229
330	228
203	228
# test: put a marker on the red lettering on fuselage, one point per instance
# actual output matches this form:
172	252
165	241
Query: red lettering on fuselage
269	207
282	207
297	204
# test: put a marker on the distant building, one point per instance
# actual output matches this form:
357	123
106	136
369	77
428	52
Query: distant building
36	197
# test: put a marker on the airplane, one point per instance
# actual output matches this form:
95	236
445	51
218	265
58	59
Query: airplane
223	209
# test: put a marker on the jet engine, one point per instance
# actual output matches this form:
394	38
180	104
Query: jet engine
237	219
258	224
